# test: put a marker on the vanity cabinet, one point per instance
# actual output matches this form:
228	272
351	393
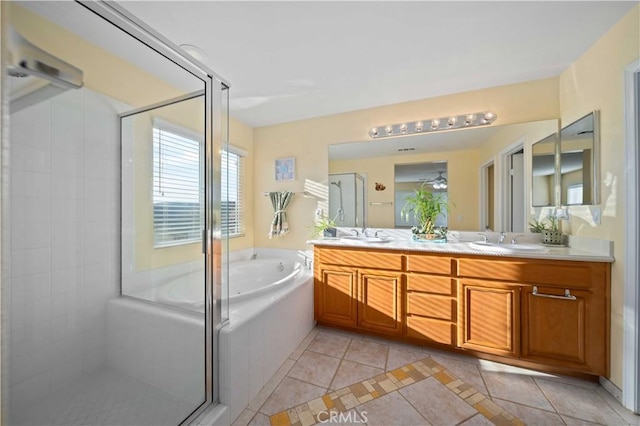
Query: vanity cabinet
564	327
489	317
559	310
544	313
349	295
380	307
336	299
431	298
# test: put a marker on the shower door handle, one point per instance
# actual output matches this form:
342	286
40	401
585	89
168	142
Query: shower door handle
204	241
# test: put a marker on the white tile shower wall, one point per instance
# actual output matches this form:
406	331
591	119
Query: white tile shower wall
64	221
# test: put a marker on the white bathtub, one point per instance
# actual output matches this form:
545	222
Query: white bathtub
270	313
247	279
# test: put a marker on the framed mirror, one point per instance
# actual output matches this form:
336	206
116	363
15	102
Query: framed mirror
543	171
579	161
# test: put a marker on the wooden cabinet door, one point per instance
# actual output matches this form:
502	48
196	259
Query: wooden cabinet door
488	317
564	330
336	295
380	306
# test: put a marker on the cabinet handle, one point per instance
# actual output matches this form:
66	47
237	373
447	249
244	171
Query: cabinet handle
567	294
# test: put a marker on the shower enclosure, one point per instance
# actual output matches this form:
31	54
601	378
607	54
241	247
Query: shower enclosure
347	199
110	210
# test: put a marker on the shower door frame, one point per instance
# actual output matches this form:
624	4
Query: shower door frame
125	21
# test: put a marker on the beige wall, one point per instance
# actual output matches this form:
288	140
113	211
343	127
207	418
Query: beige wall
596	82
308	141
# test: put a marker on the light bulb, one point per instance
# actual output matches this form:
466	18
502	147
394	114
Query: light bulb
435	123
469	119
489	116
419	125
388	129
452	121
403	128
373	132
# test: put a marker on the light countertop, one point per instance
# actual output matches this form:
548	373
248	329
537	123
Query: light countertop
578	249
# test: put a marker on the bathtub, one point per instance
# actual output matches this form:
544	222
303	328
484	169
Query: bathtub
270	313
247	279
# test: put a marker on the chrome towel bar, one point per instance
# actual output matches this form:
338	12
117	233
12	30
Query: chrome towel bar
567	294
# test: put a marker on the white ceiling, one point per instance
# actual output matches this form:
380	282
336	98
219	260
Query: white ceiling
293	60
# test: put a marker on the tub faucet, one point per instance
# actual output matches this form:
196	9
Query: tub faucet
254	256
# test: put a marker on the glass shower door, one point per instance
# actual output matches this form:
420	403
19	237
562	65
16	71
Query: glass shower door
84	341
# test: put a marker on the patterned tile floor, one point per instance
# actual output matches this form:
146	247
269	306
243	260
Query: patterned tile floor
335	377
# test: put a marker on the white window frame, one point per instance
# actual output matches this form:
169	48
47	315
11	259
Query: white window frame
234	189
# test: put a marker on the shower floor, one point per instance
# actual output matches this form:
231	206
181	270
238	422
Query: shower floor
107	397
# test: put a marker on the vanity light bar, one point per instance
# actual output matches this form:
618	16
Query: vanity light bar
434	124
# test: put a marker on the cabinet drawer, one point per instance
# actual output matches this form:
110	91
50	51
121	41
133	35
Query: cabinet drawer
429	263
431	284
428	305
362	258
431	330
563	273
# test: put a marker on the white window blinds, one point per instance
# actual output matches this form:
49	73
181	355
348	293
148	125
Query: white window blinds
233	163
177	200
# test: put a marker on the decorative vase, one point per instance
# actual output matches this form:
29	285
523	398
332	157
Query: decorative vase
552	237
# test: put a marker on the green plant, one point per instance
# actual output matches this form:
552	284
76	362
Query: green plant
425	206
537	226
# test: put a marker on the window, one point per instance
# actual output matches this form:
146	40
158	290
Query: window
177	201
574	194
233	161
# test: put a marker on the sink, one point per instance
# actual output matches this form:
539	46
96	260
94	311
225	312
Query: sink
506	248
352	238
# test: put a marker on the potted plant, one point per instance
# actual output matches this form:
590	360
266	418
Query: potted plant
324	226
551	233
426	206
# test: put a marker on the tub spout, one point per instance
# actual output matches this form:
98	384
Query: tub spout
254	256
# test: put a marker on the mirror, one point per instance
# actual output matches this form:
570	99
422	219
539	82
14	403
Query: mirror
462	151
579	153
409	178
543	170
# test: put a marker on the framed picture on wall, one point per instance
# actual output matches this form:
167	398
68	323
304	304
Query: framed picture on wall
286	168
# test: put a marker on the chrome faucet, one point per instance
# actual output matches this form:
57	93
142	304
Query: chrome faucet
502	237
356	232
379	231
365	233
514	240
254	256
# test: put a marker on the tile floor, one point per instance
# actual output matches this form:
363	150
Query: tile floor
329	364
